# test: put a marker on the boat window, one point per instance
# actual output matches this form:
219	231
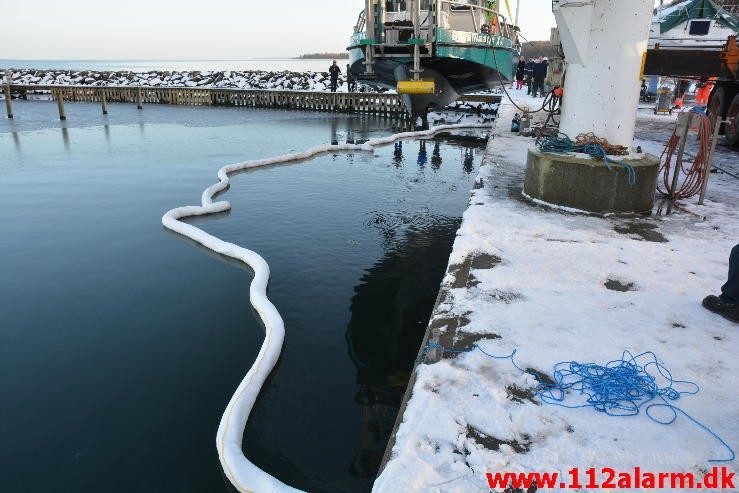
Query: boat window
395	6
461	7
700	28
400	5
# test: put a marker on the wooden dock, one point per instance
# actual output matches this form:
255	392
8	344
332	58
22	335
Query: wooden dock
382	104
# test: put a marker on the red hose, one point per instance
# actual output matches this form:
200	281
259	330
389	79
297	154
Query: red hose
692	178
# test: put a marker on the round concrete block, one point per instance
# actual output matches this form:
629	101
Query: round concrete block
586	184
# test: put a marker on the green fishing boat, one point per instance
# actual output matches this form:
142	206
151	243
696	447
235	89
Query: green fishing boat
432	51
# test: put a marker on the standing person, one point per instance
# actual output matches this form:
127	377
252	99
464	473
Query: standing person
334	72
520	72
350	81
529	74
540	73
727	304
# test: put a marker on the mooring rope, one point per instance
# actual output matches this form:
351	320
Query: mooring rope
622	387
242	473
593	147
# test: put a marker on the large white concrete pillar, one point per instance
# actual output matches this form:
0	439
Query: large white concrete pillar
603	41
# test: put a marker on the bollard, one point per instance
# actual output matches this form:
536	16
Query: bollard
139	103
60	104
104	101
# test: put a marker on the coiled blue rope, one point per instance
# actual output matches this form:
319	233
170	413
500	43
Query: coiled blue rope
563	145
622	387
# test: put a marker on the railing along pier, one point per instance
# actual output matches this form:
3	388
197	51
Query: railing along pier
371	103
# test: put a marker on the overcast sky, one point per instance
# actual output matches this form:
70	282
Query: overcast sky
186	29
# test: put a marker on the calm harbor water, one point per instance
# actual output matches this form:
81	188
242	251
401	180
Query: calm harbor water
121	343
267	64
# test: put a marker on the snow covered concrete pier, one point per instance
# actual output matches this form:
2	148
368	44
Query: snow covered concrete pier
555	286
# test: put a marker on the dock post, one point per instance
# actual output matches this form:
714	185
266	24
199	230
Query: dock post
104	101
8	102
60	105
139	103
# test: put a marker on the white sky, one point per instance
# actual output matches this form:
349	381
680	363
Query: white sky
187	29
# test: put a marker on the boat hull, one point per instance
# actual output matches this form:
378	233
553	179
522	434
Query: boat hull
461	63
453	77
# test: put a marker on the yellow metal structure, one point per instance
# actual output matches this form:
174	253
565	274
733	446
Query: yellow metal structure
423	86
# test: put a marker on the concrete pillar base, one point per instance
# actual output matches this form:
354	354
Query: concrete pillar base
586	184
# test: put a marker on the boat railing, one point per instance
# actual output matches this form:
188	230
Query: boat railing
361	23
498	23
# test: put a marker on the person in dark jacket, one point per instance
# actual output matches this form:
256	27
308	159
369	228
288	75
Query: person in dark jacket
520	72
529	74
727	304
350	80
333	73
540	73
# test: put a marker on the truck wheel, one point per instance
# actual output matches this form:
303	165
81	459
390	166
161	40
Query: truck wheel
718	103
732	122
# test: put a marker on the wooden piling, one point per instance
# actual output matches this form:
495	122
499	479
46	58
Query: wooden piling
8	102
139	102
60	105
8	99
104	101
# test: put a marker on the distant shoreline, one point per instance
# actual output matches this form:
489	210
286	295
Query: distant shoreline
266	64
324	56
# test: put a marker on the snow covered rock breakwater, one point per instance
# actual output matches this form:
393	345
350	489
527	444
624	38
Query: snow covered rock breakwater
283	81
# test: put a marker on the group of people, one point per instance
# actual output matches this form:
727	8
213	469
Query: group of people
334	71
532	73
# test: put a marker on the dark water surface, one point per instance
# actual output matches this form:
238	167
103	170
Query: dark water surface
121	343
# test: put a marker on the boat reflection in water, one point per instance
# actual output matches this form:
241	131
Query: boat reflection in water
389	315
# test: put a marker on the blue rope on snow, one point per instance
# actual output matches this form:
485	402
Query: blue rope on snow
563	145
621	387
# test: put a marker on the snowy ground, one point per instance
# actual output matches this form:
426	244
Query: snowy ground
562	287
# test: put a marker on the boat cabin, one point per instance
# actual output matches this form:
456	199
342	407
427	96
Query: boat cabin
702	24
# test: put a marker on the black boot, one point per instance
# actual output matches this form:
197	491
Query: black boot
730	311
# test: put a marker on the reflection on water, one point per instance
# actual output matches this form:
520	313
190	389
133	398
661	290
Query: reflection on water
422	155
65	138
436	157
398	154
389	314
468	161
